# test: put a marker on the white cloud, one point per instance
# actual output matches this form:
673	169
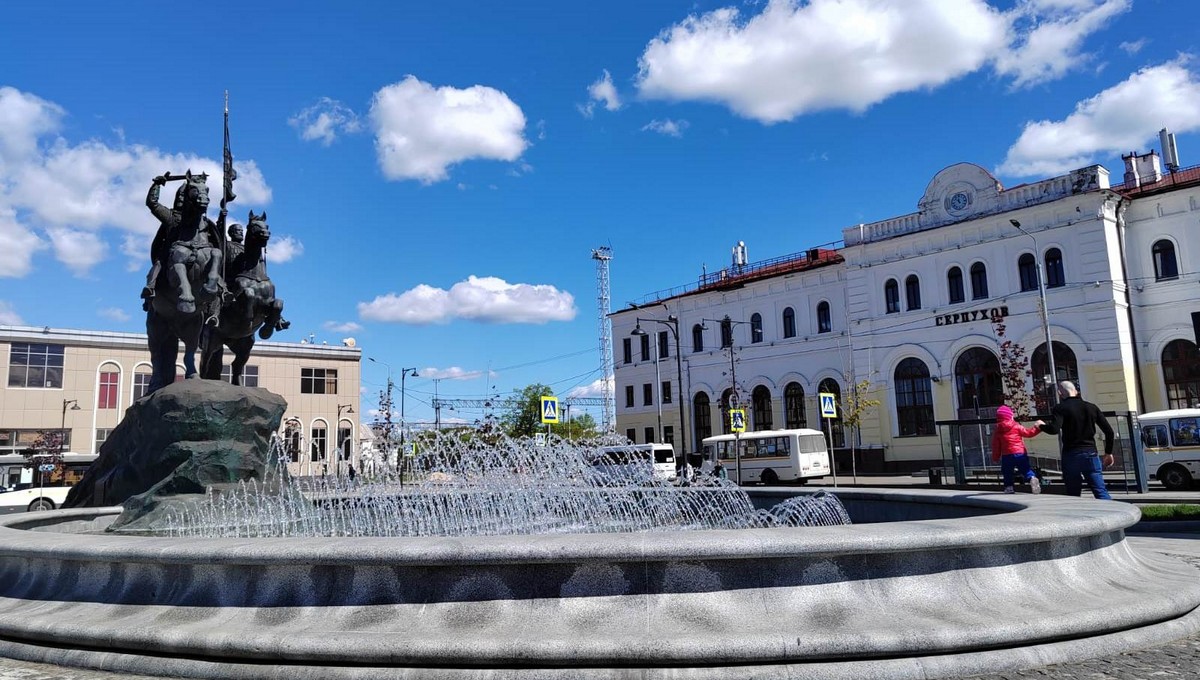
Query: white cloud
284	249
79	250
485	299
602	91
595	389
74	191
17	245
347	327
1132	47
1049	35
1118	119
113	313
795	57
8	315
671	128
420	130
451	373
325	120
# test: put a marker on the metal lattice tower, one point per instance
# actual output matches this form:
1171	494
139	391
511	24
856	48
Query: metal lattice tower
603	299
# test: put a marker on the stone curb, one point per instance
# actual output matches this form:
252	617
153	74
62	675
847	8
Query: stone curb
1165	527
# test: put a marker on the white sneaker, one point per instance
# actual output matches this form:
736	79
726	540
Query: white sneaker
1008	489
1035	485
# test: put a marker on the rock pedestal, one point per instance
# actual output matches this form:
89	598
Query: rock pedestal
177	443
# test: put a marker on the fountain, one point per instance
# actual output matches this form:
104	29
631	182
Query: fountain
525	562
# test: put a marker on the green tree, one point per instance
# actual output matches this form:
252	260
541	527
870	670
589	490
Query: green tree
856	404
582	426
523	417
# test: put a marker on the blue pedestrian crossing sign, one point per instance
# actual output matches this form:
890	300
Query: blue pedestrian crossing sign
549	409
737	420
828	404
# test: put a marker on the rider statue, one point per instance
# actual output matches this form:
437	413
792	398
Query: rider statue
234	247
185	236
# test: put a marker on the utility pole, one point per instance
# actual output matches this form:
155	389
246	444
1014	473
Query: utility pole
602	256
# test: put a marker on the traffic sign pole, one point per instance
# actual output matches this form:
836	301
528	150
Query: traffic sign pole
828	402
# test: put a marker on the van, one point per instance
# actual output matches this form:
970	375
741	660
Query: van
1171	443
637	462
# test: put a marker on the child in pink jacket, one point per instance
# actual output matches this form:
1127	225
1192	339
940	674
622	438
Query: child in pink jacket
1008	449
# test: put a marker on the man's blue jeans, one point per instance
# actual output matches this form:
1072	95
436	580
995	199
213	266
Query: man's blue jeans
1080	463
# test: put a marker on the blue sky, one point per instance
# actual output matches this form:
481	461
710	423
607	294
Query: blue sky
437	174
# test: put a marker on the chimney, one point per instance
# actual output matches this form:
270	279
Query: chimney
1131	173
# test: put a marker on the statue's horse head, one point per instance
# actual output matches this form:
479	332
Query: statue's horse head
193	195
257	231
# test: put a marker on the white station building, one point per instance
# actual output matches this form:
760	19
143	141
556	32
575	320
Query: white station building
910	304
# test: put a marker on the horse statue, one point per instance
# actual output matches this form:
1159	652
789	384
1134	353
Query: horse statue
184	288
251	306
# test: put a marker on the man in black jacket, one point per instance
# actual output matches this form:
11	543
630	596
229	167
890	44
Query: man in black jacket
1077	420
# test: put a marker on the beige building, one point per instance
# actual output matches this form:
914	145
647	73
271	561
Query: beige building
82	381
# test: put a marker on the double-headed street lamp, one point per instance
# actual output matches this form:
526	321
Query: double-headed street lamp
671	322
1052	391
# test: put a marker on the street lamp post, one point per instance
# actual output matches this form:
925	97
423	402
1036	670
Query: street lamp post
404	372
347	408
1052	391
672	323
73	404
734	400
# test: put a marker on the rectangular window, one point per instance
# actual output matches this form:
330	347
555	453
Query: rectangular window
35	365
662	345
109	387
645	347
1154	436
627	346
13	442
102	434
631	435
141	385
629	396
668	434
318	381
345	441
647	394
1185	431
318	444
249	375
666	392
649	435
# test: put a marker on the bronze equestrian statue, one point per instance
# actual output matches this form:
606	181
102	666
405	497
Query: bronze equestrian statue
251	305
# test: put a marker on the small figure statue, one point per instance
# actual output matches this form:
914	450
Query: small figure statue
185	237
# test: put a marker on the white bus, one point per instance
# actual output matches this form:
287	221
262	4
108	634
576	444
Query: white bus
771	456
23	489
1171	442
635	461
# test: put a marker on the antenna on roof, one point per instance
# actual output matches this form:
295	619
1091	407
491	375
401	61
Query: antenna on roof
1170	152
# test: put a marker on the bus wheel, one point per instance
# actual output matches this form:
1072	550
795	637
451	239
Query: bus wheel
1175	477
769	478
41	505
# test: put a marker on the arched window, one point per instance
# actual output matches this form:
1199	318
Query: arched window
1065	366
793	407
979	289
891	296
912	292
824	322
756	332
1027	271
1165	266
839	431
761	400
914	399
789	322
318	441
726	404
977	375
108	386
702	416
697	338
726	333
345	439
954	283
1181	374
1055	277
